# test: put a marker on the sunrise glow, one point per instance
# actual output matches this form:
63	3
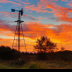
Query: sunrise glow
51	18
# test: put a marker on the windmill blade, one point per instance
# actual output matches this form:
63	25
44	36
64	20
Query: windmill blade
21	11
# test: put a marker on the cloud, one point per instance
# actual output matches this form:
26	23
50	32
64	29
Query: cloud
62	13
34	29
65	0
70	9
40	17
29	17
5	26
15	15
43	6
64	33
8	14
60	34
24	2
40	7
30	29
6	1
70	4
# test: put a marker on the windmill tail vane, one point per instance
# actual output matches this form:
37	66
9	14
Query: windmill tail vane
21	11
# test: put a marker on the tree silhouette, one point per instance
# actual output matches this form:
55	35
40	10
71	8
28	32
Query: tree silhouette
44	45
6	53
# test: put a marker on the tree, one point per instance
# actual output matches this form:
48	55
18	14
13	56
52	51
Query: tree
44	45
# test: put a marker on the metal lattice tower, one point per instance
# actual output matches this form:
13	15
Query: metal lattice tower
19	23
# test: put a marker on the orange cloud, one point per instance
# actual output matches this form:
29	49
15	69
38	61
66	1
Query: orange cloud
70	4
6	1
60	34
9	14
6	42
15	15
41	17
24	2
42	6
32	32
64	36
62	13
65	0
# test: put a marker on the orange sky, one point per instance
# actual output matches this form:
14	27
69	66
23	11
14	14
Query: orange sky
51	18
60	34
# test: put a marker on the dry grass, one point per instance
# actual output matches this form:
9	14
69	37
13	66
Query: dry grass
38	65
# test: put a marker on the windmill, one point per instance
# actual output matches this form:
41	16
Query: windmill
19	23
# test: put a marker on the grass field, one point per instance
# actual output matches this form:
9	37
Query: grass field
37	65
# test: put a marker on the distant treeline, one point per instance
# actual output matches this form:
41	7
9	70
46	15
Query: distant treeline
6	53
60	55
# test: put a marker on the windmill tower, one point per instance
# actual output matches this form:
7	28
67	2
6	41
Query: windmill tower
19	23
